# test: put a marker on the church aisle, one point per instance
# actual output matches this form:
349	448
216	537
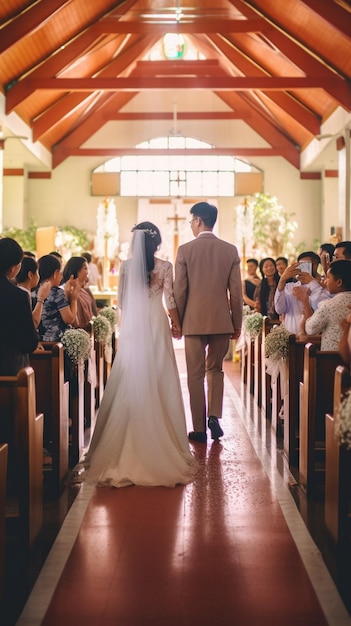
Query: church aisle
218	551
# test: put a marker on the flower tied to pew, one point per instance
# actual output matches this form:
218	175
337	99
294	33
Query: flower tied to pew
253	323
276	353
76	343
111	314
343	421
103	327
277	343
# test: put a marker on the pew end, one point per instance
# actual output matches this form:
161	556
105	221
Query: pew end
3	478
22	430
338	471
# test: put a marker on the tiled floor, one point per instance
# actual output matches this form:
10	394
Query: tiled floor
231	548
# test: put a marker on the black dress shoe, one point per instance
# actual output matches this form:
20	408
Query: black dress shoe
200	437
216	431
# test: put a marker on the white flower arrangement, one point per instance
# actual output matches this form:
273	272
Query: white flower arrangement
253	324
277	343
246	310
102	329
343	421
76	342
110	314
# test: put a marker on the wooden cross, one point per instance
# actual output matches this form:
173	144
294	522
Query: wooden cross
176	219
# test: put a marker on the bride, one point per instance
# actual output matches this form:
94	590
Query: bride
140	434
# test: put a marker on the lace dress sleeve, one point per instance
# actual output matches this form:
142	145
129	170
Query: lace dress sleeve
168	287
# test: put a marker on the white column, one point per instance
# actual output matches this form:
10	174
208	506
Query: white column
344	162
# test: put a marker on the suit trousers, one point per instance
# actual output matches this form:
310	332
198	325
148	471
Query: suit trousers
204	356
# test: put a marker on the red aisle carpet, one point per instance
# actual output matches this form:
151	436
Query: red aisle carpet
217	552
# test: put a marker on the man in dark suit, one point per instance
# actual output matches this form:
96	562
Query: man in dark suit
18	336
208	295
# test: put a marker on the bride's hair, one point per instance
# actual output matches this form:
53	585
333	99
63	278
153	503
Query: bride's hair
152	242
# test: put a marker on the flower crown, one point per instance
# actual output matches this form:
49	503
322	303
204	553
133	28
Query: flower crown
147	231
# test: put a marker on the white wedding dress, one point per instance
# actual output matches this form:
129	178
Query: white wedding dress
140	435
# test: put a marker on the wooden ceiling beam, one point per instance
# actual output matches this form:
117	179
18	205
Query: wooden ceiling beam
222	83
335	15
264	127
64	152
60	109
286	101
28	22
187	115
91	123
145	26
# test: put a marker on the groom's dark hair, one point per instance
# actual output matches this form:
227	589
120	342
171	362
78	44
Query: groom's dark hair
207	212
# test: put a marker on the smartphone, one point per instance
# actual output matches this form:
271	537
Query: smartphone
305	266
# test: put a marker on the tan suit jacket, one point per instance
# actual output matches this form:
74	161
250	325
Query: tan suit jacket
207	286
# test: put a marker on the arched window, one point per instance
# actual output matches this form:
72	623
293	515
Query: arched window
183	175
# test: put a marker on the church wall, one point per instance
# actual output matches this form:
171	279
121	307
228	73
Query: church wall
65	199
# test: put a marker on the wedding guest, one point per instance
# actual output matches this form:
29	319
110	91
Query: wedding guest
250	283
326	319
281	264
94	276
77	268
28	279
60	307
286	303
18	337
264	294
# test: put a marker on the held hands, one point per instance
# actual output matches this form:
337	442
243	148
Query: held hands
176	331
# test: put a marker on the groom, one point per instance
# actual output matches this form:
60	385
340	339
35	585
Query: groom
208	295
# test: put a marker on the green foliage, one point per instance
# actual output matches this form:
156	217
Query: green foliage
273	228
25	237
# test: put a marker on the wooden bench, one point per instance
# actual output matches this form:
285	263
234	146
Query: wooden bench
292	400
52	399
266	383
316	399
22	429
76	413
338	471
3	478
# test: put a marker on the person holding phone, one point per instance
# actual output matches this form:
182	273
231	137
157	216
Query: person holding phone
77	268
305	277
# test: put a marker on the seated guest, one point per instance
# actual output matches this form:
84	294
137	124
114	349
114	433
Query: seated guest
326	319
94	276
342	251
250	283
326	255
344	347
77	268
264	293
281	264
27	279
60	307
18	335
285	299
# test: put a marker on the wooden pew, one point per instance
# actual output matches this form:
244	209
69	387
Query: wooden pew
100	385
266	387
292	401
76	413
3	478
52	399
316	399
338	471
22	428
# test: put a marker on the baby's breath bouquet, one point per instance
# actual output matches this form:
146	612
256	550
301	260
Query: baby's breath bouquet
246	310
343	422
76	342
110	314
102	329
253	324
277	343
